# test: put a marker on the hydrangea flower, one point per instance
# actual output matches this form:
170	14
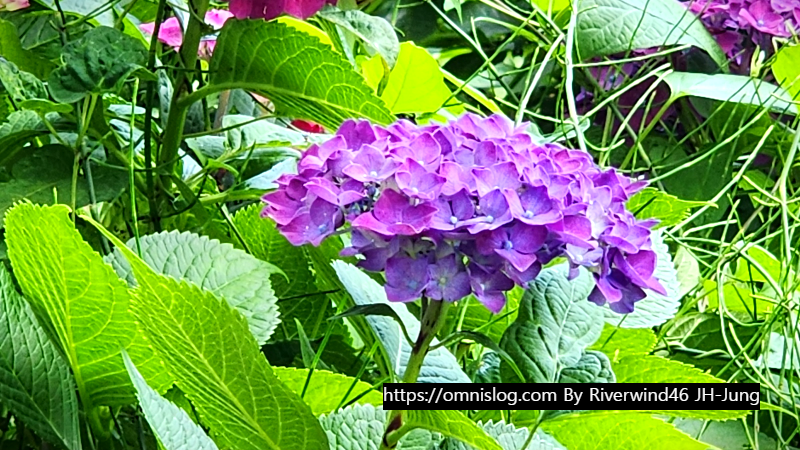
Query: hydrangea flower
741	25
470	207
13	5
171	33
270	9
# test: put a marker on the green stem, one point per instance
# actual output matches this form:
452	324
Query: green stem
433	318
173	135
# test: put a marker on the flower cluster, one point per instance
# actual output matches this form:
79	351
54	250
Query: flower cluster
13	5
473	206
270	9
740	25
171	33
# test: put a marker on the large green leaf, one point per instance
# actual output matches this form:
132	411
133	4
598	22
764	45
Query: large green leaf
47	172
452	424
654	309
650	203
12	50
171	424
618	343
208	349
100	61
606	27
731	88
593	367
786	69
83	304
416	84
35	382
375	31
361	427
509	437
440	366
231	274
618	430
326	390
305	78
300	292
555	323
655	369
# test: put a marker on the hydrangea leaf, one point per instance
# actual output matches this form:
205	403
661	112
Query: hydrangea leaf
375	31
12	50
688	271
618	343
327	390
35	381
231	274
100	61
47	169
618	430
83	305
606	27
300	293
172	425
19	84
651	203
731	88
303	77
20	128
554	325
593	367
440	366
509	437
361	427
786	69
416	83
452	424
654	309
655	369
236	393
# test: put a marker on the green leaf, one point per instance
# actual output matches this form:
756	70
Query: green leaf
748	272
731	88
208	349
618	430
12	50
89	8
361	427
655	369
593	367
21	128
650	203
100	61
688	270
606	27
375	31
303	77
555	323
19	84
47	172
440	366
618	343
654	309
35	382
229	273
258	134
300	293
415	84
786	69
451	424
509	437
84	306
172	425
326	390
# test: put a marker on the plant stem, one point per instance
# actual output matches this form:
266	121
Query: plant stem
433	317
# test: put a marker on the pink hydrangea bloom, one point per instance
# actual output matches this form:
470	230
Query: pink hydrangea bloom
270	9
13	5
171	33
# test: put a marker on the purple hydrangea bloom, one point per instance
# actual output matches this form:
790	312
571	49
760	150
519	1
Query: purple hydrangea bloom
470	207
